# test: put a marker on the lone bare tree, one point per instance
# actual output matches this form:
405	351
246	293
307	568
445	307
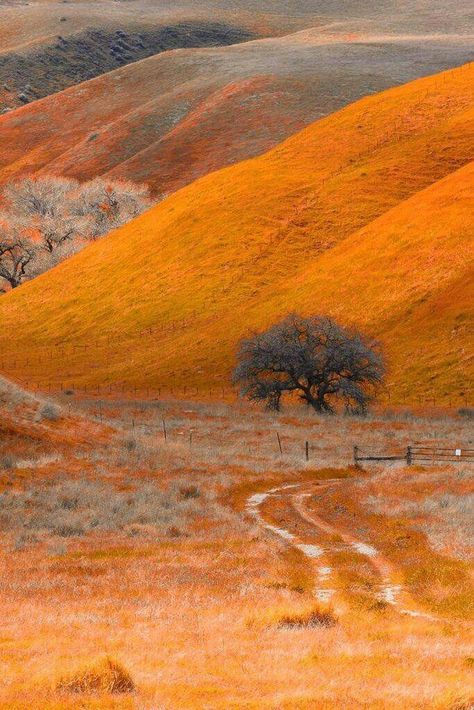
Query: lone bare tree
316	358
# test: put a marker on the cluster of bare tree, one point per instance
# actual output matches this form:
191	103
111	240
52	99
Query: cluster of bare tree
45	219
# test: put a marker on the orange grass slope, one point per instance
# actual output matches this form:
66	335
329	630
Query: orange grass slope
365	214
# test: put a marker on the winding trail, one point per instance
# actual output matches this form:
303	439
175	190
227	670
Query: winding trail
326	539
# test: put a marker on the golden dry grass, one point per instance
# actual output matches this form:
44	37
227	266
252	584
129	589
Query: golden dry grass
222	615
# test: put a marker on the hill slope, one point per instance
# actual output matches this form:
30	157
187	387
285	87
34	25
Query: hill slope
31	74
172	118
48	45
365	214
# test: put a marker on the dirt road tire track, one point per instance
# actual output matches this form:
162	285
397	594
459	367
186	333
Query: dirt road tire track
327	588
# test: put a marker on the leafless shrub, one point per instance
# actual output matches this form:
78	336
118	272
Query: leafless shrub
49	412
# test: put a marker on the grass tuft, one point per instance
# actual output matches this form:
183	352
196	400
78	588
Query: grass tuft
308	619
463	704
105	676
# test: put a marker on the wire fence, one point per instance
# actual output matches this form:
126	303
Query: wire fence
447	400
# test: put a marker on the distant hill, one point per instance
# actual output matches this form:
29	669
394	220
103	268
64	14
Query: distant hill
49	45
172	118
366	215
30	74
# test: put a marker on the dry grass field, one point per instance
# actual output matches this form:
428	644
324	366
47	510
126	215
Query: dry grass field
208	570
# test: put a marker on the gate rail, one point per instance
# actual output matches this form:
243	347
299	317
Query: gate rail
419	453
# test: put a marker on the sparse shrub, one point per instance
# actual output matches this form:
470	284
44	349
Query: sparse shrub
48	412
189	492
173	531
7	462
24	540
57	549
466	412
69	530
130	444
74	508
105	676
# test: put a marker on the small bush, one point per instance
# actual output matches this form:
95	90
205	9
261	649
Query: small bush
48	412
105	676
466	412
7	462
308	619
130	444
189	492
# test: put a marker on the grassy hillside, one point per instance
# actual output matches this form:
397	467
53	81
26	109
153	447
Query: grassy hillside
171	119
366	214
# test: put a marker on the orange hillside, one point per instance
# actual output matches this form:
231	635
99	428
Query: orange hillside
366	214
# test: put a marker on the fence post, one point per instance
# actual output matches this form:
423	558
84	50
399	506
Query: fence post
307	450
164	430
356	455
409	456
279	443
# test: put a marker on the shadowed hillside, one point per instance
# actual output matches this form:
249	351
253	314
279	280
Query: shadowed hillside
173	118
365	215
38	72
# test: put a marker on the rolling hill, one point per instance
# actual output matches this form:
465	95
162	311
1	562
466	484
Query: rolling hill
366	215
48	45
171	118
31	74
